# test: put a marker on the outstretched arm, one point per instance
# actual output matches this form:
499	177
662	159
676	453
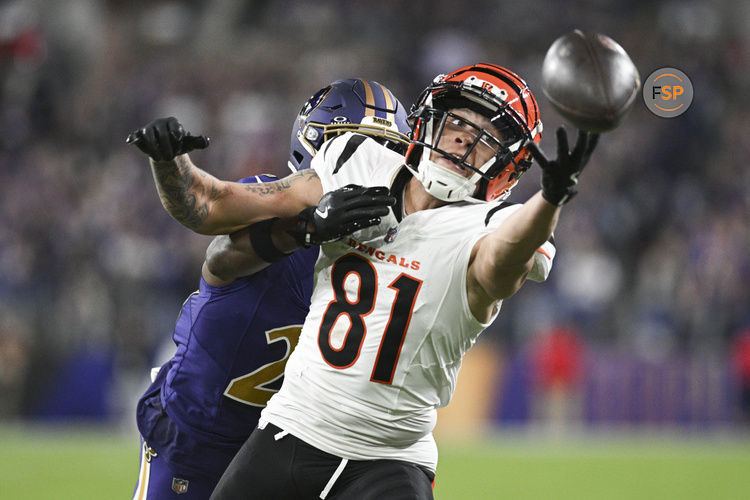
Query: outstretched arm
208	205
501	261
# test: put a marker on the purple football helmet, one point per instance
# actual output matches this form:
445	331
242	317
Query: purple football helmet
350	105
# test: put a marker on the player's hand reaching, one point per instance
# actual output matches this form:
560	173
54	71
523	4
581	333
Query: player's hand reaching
164	138
560	176
341	212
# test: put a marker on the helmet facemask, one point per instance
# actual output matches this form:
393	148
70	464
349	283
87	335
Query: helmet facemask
505	141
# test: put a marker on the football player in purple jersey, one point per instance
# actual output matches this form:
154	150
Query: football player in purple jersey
235	333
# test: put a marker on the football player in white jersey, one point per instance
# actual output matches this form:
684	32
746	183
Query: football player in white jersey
395	306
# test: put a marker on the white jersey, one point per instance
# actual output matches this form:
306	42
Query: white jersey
389	321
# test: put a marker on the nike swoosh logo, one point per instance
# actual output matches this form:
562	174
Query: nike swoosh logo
323	214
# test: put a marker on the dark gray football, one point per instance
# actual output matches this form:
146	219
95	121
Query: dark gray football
590	80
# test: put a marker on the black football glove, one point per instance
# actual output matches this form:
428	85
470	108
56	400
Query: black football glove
560	176
341	212
164	138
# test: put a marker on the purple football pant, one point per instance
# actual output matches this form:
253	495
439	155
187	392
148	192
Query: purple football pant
157	480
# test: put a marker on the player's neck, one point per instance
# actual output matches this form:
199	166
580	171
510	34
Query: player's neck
416	198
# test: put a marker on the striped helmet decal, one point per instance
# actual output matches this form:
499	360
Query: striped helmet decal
379	100
388	102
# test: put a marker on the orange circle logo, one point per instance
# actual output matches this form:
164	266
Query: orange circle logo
668	92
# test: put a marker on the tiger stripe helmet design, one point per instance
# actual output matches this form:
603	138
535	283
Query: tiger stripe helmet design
349	105
494	92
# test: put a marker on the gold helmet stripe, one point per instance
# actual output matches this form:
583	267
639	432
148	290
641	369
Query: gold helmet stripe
369	99
388	103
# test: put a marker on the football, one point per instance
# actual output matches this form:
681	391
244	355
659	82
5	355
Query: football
590	80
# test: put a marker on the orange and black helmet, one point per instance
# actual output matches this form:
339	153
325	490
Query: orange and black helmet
496	93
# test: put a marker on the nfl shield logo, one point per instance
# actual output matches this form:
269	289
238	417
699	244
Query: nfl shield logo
179	486
391	234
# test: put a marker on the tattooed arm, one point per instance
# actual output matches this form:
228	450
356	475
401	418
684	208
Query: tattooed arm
208	205
204	203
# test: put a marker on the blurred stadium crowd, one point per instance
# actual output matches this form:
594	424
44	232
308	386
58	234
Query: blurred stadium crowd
653	257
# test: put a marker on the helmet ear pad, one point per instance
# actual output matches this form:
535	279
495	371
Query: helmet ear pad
498	188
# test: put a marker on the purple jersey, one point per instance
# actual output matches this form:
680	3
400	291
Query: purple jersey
232	345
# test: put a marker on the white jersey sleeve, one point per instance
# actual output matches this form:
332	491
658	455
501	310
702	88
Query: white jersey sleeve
545	254
353	158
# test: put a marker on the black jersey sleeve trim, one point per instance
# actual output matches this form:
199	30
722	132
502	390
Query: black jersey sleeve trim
505	204
496	209
397	191
326	145
352	144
